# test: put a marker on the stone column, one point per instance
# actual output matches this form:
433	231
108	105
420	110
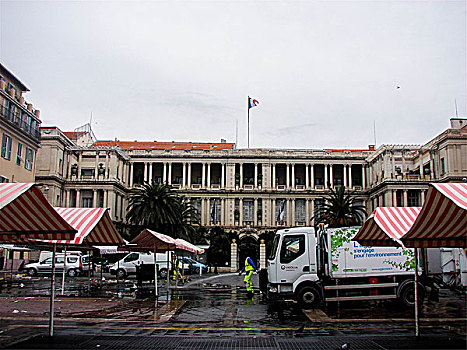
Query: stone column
287	176
240	209
184	175
203	177
209	175
345	175
94	198
262	254
331	176
363	177
150	164
241	176
273	182
312	210
78	198
422	174
189	175
405	204
145	172
293	176
292	212
130	180
106	198
325	176
80	158
203	209
223	175
307	211
222	204
233	257
255	211
350	176
312	175
422	197
394	198
96	166
164	173
107	166
256	175
307	177
169	180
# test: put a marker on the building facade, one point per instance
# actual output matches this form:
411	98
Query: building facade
19	131
244	190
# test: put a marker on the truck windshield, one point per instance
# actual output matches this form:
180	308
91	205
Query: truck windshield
275	243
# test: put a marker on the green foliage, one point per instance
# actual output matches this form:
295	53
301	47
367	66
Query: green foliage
218	253
338	239
408	264
158	207
339	209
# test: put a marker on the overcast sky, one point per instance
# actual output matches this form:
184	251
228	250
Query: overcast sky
323	72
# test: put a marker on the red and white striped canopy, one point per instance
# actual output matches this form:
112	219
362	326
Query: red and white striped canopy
94	226
386	225
189	247
150	240
26	214
443	219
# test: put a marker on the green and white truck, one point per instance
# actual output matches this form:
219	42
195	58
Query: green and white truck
311	267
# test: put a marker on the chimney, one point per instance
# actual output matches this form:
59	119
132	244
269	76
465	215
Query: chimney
371	147
2	85
223	141
12	92
37	113
29	107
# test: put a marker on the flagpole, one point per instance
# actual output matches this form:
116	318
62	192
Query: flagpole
248	107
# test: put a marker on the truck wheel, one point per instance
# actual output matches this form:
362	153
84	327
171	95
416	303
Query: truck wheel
309	298
121	273
163	273
32	272
407	295
72	273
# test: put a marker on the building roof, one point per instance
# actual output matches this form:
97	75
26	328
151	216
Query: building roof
73	135
130	145
5	72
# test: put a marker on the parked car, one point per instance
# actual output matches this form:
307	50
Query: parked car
75	265
195	265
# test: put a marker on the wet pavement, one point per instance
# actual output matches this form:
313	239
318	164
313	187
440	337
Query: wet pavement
214	311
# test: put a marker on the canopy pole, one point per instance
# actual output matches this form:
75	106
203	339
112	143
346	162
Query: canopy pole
89	271
52	294
417	330
64	272
168	271
156	293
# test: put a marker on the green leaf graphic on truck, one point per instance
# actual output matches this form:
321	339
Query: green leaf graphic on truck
342	237
338	239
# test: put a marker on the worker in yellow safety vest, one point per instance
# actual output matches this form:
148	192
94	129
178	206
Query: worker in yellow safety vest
249	268
176	268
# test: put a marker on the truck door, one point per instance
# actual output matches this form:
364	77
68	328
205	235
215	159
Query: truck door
293	261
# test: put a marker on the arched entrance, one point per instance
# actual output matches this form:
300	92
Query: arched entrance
248	246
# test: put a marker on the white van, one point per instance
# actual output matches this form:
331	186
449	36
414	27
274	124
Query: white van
127	265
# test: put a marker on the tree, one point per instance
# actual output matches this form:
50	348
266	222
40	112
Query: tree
340	209
158	207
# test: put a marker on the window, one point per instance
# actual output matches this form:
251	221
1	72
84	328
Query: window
18	153
4	180
443	169
6	146
292	247
60	260
248	210
87	199
413	198
29	159
131	257
275	243
215	211
72	259
300	210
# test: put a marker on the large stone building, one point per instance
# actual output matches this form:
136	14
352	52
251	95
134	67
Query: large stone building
243	190
19	130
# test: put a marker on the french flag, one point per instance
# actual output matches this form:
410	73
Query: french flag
252	102
281	216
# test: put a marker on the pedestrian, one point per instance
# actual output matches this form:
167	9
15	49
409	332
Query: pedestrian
249	268
176	268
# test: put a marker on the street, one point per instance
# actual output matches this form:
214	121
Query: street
215	309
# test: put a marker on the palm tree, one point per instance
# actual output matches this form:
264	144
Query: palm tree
340	209
158	207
